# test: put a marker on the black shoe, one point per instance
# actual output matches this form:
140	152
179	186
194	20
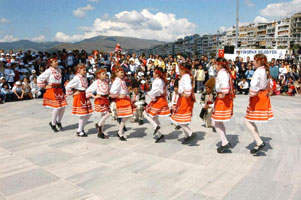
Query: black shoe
188	139
124	128
60	126
156	129
213	129
222	149
257	148
177	127
159	138
53	127
141	122
98	128
82	134
122	138
102	136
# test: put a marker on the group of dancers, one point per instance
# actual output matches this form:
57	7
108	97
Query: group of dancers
104	93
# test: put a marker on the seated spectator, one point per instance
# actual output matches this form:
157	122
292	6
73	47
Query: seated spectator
291	90
27	89
243	87
18	91
7	93
35	90
278	88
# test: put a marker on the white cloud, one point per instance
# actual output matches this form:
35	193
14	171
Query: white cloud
285	9
40	38
62	37
93	0
8	38
144	24
222	29
260	19
82	11
249	3
4	20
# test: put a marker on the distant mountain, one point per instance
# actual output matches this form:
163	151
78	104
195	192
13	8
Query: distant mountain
27	44
108	43
104	43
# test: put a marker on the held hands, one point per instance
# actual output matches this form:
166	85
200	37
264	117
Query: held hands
48	87
96	96
221	96
76	93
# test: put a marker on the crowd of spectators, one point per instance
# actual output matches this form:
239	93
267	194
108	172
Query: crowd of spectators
19	71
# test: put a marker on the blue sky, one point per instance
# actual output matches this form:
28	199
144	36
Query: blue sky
73	20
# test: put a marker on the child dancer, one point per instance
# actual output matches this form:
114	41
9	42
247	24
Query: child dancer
54	97
101	103
174	99
223	105
138	102
259	109
183	111
120	91
159	105
81	105
207	101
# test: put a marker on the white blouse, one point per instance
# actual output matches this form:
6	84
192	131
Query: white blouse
157	88
185	85
50	76
78	82
98	86
259	81
118	88
222	82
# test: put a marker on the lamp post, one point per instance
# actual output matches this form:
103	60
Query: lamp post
237	21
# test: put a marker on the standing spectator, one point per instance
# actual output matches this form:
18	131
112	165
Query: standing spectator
249	73
211	69
274	69
200	78
9	75
283	71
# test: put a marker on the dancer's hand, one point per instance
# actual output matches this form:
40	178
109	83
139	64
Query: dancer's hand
76	93
221	96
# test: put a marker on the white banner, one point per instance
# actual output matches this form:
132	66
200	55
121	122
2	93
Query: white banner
270	53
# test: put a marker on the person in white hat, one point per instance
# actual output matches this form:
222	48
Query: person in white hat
18	91
70	59
33	74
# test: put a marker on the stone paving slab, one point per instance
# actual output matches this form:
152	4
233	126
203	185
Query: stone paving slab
36	163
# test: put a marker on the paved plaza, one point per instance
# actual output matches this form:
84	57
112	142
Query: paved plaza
37	164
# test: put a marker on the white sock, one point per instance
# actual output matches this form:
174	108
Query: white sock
150	119
221	130
103	119
121	126
254	131
186	130
81	123
156	120
60	114
87	117
54	116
